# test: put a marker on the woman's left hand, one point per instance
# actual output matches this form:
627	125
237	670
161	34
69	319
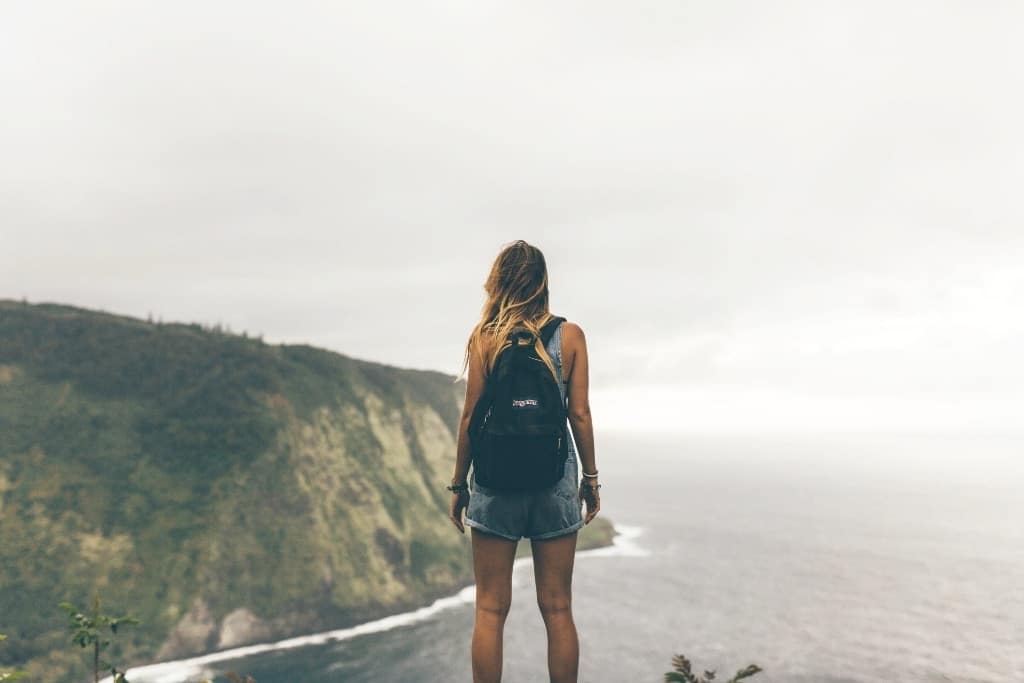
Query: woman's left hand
458	504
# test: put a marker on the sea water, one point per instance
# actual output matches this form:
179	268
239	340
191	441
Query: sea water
822	559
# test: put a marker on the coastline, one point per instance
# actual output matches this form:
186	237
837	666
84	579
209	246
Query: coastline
178	671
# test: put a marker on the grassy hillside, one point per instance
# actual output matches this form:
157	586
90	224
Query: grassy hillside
221	489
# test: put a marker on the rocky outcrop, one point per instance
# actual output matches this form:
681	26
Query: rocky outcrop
241	627
194	632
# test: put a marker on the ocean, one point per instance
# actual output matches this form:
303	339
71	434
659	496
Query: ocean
822	559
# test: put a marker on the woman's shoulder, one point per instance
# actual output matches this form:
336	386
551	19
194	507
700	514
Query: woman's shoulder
573	340
571	329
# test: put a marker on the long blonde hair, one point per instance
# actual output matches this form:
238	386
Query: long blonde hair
517	298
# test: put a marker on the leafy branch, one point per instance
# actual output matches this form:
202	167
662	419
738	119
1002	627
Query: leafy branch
683	672
86	630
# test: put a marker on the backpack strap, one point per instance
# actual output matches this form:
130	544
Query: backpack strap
548	330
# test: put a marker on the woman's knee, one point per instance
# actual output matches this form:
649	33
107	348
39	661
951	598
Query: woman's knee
554	603
496	606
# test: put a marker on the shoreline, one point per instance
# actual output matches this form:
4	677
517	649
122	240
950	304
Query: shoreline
178	671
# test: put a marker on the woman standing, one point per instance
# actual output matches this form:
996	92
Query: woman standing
517	295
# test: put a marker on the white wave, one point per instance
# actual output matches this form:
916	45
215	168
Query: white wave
623	544
192	669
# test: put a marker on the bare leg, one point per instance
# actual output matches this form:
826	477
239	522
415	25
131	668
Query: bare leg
552	567
492	563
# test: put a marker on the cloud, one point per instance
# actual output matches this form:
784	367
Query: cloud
799	198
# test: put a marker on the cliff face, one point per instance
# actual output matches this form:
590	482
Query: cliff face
223	490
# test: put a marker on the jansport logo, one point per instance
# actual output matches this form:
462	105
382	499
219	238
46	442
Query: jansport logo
523	402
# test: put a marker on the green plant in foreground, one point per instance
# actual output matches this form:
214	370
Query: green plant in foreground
9	675
85	631
684	674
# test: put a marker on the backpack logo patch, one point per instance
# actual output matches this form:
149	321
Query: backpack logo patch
524	402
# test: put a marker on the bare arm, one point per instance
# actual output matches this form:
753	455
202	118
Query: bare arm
579	400
579	416
474	387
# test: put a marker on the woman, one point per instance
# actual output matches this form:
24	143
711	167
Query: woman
517	294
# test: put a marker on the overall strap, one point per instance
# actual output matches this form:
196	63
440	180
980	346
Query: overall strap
548	330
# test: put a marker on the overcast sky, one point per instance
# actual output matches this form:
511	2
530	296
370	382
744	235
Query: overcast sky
765	216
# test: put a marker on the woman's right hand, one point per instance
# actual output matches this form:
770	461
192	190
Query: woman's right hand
590	494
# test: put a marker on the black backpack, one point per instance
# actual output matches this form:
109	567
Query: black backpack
517	430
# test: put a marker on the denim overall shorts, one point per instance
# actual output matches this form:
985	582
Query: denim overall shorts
540	514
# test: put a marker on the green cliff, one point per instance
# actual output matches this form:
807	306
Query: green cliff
223	490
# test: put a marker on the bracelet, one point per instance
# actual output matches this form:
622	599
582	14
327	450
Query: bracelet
592	476
458	488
